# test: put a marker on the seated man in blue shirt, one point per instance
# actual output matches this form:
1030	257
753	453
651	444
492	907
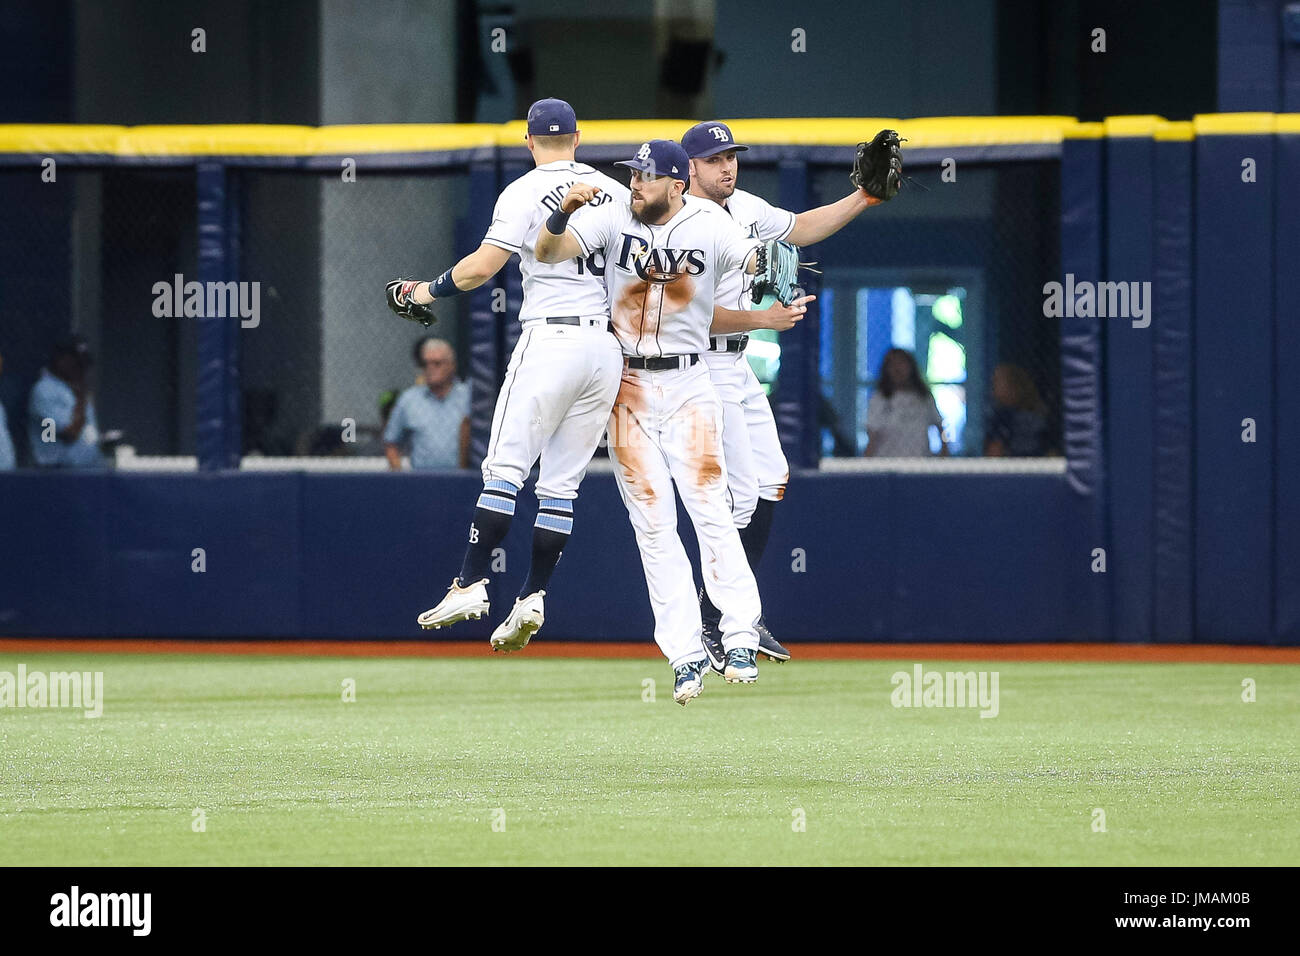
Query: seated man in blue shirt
432	418
61	425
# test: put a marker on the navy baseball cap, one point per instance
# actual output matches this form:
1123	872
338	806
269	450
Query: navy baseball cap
660	157
709	138
551	118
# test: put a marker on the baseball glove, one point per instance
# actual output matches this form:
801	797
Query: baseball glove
776	274
878	166
400	301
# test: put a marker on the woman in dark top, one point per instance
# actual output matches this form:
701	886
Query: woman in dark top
1018	427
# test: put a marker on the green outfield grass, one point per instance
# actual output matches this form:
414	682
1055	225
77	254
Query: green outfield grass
587	772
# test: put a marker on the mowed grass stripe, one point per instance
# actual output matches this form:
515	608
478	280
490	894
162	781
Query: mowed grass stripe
574	766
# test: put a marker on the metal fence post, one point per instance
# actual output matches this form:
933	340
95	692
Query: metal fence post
798	394
484	324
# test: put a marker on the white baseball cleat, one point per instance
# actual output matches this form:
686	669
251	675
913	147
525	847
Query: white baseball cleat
525	618
461	604
689	681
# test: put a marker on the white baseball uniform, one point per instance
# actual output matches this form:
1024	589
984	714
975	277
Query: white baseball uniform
665	426
756	465
562	378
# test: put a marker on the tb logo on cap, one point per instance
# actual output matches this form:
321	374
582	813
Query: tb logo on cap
643	152
719	133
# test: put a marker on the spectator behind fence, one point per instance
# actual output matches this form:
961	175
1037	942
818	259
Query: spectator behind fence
1018	425
61	425
7	459
901	411
432	418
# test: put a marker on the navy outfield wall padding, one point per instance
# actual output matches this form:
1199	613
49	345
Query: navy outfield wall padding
234	398
1234	382
1082	163
249	528
1172	328
385	552
1286	496
946	558
485	365
1082	169
216	348
53	571
1130	402
347	556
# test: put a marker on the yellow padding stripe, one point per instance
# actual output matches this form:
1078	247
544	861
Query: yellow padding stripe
254	140
1086	131
1134	125
919	133
940	132
1221	124
1176	131
602	132
250	140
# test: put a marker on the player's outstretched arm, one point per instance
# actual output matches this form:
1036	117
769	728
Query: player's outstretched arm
824	221
779	317
470	273
555	242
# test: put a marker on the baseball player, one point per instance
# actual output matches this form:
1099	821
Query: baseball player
757	470
560	383
664	255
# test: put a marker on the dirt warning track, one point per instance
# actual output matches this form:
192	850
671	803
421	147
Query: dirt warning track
1151	653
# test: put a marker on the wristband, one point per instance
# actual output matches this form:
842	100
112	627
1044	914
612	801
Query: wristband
444	287
557	223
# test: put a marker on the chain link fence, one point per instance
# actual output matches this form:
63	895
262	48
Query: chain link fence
83	250
326	354
950	272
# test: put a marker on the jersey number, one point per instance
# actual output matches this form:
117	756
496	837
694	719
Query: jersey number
594	263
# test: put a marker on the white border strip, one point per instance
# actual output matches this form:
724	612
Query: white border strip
604	466
946	466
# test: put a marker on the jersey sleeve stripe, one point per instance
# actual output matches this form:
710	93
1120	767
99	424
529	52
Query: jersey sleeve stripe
501	243
790	228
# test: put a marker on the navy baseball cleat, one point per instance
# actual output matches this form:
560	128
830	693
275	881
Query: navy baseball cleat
742	666
711	633
768	645
690	681
711	638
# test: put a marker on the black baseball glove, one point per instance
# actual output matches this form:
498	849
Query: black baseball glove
400	301
878	166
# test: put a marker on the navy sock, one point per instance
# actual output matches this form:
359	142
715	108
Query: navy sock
550	534
496	508
709	612
755	534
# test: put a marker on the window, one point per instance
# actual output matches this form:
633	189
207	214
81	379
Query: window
863	320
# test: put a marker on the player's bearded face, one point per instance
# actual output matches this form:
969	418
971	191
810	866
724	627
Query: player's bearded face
716	175
650	198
